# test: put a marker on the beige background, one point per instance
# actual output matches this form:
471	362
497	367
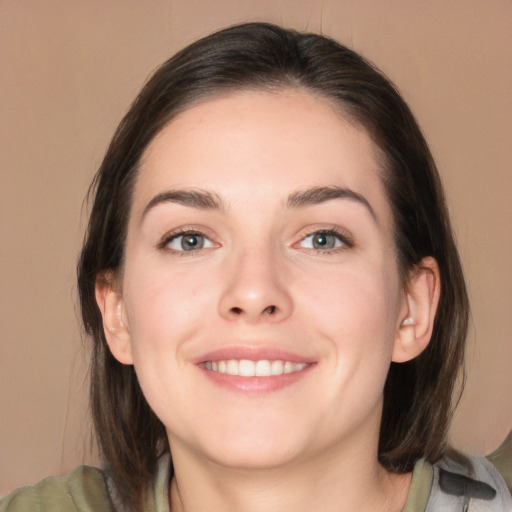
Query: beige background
68	71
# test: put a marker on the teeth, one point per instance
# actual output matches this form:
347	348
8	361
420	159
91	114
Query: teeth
276	367
263	368
247	368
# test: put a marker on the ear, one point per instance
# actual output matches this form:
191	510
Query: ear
115	326
416	320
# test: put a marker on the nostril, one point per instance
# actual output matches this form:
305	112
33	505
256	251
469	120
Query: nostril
269	310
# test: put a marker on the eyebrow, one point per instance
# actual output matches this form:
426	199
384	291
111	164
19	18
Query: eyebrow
317	195
206	200
201	199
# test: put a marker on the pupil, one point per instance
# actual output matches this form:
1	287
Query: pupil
191	242
322	241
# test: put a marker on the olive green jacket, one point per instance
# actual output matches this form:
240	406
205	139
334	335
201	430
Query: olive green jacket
442	487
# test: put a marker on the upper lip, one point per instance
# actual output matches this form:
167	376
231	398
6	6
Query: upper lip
252	354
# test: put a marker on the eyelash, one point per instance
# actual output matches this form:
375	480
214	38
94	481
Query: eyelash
342	237
346	242
170	237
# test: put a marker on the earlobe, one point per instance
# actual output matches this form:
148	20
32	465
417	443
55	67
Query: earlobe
111	305
416	321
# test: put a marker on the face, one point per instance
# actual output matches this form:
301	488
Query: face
260	296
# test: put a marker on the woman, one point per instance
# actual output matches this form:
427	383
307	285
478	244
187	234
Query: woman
271	284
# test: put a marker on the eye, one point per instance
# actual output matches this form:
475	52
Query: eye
324	240
189	241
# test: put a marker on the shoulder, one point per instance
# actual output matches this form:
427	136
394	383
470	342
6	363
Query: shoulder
476	484
83	490
502	459
457	484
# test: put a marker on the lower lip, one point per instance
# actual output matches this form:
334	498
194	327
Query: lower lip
255	385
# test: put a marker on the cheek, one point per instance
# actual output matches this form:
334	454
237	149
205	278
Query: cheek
355	314
353	304
166	312
165	307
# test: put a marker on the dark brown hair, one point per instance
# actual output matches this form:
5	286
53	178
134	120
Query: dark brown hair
418	395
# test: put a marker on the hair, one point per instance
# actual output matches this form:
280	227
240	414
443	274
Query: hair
418	395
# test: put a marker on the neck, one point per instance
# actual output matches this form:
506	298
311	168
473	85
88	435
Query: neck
332	482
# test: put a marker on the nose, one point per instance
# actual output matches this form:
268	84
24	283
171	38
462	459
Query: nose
255	290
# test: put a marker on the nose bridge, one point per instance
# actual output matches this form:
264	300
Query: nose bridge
255	288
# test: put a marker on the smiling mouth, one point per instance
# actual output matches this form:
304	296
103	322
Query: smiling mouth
260	368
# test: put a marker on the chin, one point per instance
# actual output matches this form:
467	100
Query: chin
248	449
255	457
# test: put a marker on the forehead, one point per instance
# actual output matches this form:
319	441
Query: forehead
251	141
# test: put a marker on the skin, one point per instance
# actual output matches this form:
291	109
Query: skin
258	283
